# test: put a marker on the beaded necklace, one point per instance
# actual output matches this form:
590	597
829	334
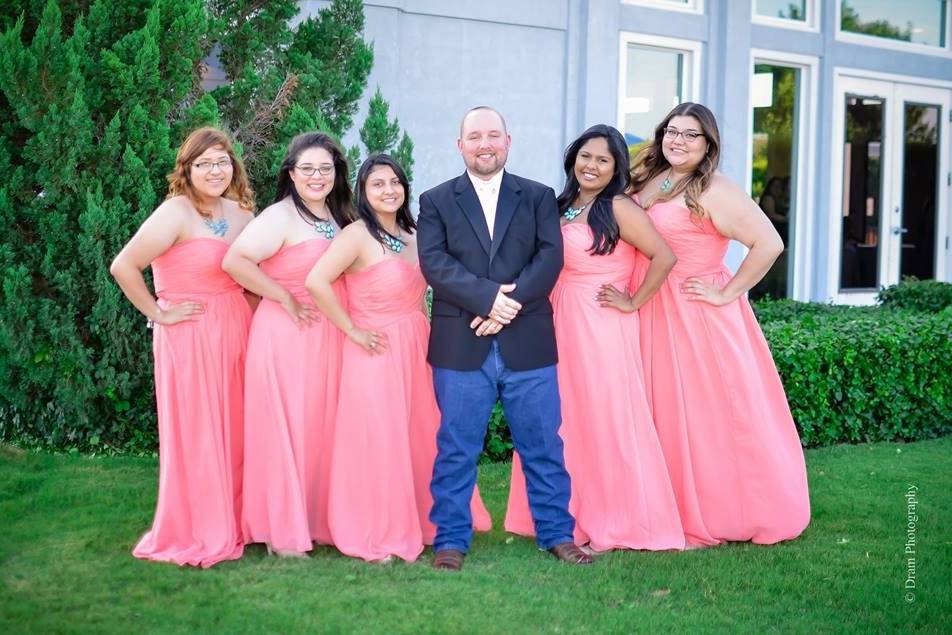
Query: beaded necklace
572	213
393	244
667	184
325	228
218	226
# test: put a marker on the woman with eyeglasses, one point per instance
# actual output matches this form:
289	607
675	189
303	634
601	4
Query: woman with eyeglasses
385	431
722	416
293	362
621	493
200	330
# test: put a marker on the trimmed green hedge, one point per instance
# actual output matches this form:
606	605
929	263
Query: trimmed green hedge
769	310
865	375
498	444
918	295
851	373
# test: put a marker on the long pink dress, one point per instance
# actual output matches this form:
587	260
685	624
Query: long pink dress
621	493
291	382
385	435
198	387
728	437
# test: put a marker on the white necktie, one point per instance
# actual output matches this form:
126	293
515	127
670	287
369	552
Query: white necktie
487	198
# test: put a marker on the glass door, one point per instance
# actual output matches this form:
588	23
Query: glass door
920	207
866	109
892	204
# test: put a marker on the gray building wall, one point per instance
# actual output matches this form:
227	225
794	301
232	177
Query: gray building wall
434	60
552	68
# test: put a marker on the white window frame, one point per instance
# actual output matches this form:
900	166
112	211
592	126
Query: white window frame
692	6
896	45
811	24
835	200
804	246
690	72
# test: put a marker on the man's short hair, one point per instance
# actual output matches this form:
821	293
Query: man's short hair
490	109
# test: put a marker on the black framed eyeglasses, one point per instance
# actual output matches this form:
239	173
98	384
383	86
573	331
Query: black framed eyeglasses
309	170
689	136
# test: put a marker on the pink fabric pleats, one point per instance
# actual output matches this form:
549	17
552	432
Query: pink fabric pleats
729	439
198	384
621	493
291	384
385	432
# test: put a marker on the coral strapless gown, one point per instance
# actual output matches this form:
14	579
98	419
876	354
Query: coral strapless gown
722	416
621	493
385	434
291	382
198	387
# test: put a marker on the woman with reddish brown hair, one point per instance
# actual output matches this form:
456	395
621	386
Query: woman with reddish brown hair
200	323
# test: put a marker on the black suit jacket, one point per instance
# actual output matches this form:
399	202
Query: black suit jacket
466	268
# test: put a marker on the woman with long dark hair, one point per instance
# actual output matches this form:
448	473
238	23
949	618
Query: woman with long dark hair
720	410
385	431
200	320
621	493
293	362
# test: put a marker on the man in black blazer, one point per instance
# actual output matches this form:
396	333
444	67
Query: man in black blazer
490	245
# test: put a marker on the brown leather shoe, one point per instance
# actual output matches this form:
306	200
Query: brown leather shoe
448	560
569	552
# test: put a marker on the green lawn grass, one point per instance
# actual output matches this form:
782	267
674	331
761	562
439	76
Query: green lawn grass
68	523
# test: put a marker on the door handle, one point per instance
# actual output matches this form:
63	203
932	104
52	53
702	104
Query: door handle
899	230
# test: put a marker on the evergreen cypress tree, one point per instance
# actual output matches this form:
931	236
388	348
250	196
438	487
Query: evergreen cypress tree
379	134
321	65
95	96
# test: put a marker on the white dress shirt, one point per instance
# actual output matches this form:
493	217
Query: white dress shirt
488	194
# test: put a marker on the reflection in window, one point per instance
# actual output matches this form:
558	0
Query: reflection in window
918	21
862	188
920	188
653	87
775	97
785	9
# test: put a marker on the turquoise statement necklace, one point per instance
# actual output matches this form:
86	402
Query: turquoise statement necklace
572	213
325	228
667	184
219	226
393	244
322	226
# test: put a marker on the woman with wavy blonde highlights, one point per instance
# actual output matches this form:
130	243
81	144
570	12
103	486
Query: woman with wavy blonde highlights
722	417
201	321
651	162
181	178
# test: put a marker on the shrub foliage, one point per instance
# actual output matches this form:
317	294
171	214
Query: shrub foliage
851	374
865	375
95	97
918	295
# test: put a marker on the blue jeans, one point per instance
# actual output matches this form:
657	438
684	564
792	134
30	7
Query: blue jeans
530	399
